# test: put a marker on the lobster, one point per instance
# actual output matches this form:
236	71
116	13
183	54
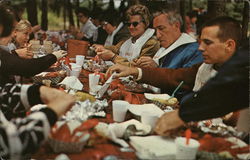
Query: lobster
118	92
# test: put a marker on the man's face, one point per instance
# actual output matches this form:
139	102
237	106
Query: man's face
82	18
165	32
213	50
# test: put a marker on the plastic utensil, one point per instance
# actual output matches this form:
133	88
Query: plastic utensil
176	89
188	134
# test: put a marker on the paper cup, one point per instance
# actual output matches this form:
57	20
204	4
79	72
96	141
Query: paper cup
93	83
149	118
119	108
75	72
184	151
75	66
80	60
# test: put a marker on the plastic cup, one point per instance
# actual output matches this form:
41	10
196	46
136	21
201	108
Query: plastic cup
149	118
80	59
184	151
93	83
119	108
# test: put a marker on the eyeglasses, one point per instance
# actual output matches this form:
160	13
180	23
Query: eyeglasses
135	24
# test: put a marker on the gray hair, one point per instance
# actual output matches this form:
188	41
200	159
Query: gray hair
172	16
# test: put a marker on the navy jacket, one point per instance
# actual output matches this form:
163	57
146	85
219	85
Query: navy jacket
228	91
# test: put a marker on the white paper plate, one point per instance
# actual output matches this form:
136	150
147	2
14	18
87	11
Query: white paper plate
152	108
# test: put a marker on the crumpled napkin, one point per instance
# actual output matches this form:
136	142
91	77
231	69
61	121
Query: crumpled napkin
153	147
105	87
72	82
116	131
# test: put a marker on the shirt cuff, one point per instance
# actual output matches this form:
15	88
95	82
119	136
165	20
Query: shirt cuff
51	115
34	94
139	74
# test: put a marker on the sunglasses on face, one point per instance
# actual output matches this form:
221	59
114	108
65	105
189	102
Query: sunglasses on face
134	24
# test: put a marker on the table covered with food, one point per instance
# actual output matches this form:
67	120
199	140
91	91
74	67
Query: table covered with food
95	129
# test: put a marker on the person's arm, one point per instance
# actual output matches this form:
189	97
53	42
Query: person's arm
14	65
24	135
168	79
148	49
16	99
228	91
164	78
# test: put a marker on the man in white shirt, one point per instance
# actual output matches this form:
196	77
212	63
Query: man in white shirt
88	30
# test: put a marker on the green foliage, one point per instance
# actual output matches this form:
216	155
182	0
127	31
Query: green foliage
233	9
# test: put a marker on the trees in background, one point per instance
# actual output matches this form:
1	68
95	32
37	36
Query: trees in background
65	8
44	23
32	12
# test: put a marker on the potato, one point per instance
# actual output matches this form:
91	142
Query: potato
81	96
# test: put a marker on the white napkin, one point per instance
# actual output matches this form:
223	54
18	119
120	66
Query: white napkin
115	131
72	82
153	147
138	109
158	96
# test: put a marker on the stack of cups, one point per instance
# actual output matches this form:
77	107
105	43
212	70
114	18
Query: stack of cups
75	70
80	59
186	151
93	83
119	108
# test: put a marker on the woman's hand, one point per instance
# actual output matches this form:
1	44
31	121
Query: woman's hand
105	54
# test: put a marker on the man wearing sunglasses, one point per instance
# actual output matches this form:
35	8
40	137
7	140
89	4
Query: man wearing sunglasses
178	50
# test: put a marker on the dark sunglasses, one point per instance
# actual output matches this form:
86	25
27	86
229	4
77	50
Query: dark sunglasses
135	24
